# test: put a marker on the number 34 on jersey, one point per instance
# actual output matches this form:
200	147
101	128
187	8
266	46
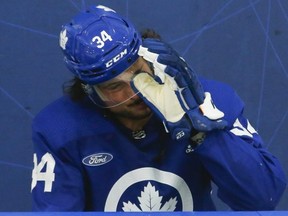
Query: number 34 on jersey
39	172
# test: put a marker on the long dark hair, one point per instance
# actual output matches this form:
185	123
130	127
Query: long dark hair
74	89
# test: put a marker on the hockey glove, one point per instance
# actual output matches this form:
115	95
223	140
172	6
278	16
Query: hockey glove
174	93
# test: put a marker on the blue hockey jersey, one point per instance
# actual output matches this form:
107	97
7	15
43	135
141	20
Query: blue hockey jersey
86	161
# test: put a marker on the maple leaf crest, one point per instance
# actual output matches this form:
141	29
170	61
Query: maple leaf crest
150	201
63	39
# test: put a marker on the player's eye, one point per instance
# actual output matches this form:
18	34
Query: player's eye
117	86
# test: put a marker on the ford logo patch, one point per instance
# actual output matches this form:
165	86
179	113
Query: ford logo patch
97	159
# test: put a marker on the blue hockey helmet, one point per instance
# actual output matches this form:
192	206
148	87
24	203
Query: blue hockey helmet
99	44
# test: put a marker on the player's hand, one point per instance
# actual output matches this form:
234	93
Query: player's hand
175	95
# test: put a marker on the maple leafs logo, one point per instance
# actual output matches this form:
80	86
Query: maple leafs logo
150	201
63	39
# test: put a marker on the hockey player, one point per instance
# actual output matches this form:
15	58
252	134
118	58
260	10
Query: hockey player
138	131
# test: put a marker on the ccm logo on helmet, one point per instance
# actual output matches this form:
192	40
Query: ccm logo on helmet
116	58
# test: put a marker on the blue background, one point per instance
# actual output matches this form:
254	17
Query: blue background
240	42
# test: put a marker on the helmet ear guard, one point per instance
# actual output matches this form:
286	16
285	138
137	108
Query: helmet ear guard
92	94
87	89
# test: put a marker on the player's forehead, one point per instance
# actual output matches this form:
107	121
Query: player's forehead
128	73
137	65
